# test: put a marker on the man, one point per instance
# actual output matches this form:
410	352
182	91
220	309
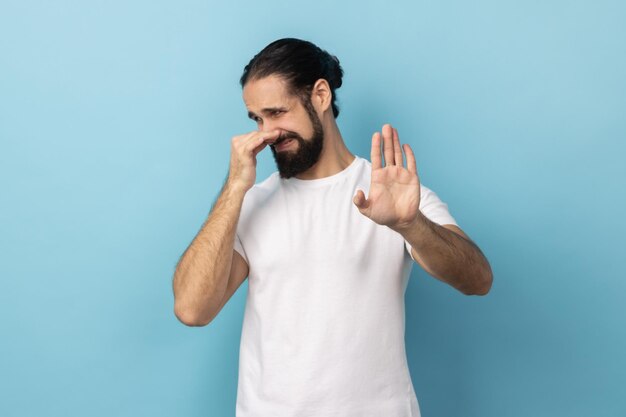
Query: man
323	331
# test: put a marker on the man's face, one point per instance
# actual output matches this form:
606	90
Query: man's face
301	140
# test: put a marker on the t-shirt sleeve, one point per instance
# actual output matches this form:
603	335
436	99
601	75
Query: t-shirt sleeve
434	209
239	247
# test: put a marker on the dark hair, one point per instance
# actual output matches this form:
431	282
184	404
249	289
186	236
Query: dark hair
300	63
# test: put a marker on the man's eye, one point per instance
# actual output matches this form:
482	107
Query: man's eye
276	113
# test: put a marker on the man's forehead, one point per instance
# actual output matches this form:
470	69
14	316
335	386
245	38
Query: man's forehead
270	91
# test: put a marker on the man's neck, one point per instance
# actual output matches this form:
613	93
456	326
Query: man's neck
334	158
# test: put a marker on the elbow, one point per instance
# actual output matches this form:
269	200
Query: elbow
484	287
191	318
481	287
481	291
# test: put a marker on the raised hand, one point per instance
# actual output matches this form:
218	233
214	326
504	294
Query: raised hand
394	193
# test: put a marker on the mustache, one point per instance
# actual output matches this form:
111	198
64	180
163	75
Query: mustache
287	135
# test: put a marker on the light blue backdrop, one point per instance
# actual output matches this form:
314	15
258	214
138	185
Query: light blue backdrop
115	122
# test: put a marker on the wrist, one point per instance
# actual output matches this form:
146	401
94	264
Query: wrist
418	223
235	188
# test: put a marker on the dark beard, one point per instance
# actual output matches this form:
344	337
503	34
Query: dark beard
291	163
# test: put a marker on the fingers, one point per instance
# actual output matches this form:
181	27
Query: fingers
388	144
391	147
397	149
270	136
252	143
257	141
410	159
360	201
259	147
256	137
375	154
392	150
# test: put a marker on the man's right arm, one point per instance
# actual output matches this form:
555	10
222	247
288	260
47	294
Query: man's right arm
203	272
209	272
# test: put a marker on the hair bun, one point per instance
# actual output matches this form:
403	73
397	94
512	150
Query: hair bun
337	71
332	70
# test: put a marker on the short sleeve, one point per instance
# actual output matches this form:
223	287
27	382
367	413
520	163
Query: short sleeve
434	209
239	248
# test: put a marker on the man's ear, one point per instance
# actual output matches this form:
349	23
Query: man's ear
321	95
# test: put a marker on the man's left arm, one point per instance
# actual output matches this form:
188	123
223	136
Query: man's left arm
445	252
448	254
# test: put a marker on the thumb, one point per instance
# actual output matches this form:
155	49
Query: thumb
360	201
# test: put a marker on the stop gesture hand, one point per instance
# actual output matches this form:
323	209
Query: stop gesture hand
394	193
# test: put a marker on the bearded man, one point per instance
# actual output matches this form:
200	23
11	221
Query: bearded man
323	330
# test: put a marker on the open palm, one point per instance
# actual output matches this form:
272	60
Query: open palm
394	193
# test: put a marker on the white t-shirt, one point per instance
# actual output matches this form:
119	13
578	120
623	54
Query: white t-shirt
323	328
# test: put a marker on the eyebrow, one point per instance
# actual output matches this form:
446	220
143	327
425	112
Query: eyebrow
267	110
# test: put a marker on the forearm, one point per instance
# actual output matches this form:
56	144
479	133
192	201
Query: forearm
202	273
449	257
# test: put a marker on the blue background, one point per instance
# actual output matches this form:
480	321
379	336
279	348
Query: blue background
115	127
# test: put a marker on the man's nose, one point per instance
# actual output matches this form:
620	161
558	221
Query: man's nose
268	126
265	126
